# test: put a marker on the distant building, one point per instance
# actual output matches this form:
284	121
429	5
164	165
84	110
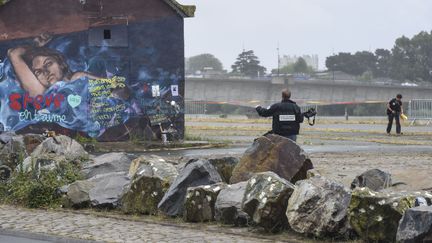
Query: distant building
311	60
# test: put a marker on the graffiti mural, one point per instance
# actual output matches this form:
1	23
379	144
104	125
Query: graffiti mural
76	84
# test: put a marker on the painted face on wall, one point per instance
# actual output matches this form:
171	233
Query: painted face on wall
47	70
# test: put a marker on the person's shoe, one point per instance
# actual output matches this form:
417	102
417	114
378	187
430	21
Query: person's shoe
388	134
398	134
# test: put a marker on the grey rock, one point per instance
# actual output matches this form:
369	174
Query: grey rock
31	141
225	166
374	179
152	176
265	200
273	153
45	162
415	225
78	193
200	201
228	205
107	163
6	137
375	215
12	150
195	173
319	207
108	190
61	145
153	165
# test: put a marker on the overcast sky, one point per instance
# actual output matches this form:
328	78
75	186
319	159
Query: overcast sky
323	27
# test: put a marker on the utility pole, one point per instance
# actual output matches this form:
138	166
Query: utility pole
278	57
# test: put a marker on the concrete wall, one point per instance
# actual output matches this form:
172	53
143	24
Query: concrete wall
251	91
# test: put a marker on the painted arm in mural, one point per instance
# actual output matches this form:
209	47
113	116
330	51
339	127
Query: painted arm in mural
44	67
27	78
78	75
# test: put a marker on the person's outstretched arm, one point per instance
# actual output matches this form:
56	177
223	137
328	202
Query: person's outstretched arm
266	112
27	79
299	115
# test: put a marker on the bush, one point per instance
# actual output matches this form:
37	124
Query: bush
38	189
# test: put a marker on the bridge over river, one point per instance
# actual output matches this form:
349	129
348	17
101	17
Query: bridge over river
249	92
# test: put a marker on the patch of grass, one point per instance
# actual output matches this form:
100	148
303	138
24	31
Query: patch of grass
36	189
85	140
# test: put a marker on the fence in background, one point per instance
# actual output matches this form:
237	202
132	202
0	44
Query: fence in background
202	107
420	110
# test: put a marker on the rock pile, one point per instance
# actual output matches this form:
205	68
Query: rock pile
272	187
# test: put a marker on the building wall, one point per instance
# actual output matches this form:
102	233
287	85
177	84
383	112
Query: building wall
111	81
24	18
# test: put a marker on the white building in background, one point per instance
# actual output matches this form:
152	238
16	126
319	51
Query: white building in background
311	60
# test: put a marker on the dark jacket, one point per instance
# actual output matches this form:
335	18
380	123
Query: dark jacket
287	117
395	105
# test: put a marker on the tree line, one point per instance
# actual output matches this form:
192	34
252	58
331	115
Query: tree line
409	59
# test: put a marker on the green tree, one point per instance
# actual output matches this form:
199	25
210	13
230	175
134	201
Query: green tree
421	45
300	66
383	61
247	64
199	62
402	60
409	59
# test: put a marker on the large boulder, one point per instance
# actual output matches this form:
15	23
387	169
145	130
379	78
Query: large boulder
15	148
195	173
152	177
273	153
374	179
107	163
200	202
32	141
61	145
78	193
108	189
12	150
6	137
46	162
375	215
265	200
228	205
225	166
415	225
319	207
153	165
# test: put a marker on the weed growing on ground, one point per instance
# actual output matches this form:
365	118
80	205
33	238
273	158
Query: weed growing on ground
38	188
85	140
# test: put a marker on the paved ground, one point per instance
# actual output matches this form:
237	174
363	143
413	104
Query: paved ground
114	229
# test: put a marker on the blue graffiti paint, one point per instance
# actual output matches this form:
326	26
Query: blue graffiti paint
152	58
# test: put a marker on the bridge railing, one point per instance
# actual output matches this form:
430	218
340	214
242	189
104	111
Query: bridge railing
420	109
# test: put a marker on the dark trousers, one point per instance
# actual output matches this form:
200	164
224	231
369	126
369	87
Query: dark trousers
396	116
